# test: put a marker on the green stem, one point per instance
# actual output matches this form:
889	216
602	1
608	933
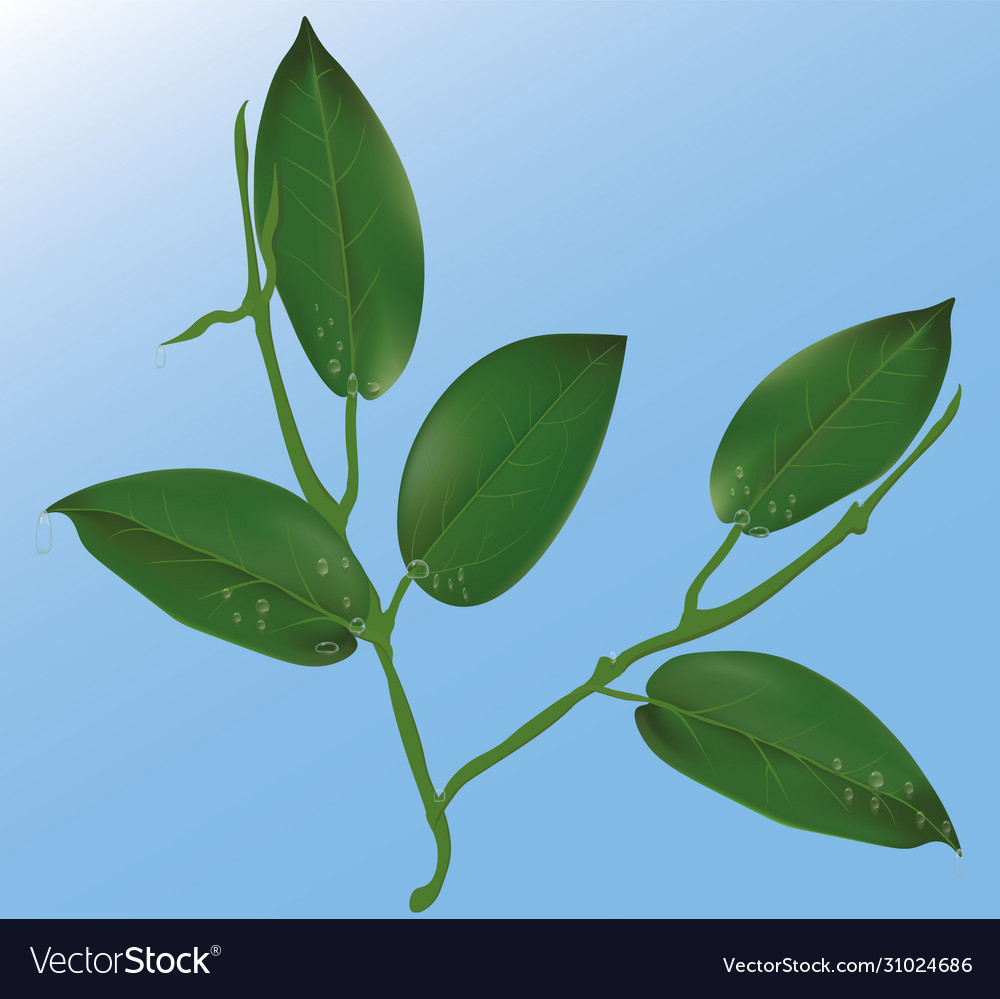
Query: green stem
421	898
694	623
397	598
351	433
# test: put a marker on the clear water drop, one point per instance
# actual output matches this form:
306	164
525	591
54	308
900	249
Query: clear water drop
742	518
876	780
43	533
333	367
261	625
374	388
958	864
357	626
465	593
160	358
837	765
316	306
848	795
920	820
439	794
461	575
875	803
330	321
758	532
746	490
322	567
908	790
227	594
417	569
352	384
788	515
451	583
327	648
791	499
946	827
772	508
347	603
237	617
437	581
739	471
263	607
732	492
345	563
319	332
340	346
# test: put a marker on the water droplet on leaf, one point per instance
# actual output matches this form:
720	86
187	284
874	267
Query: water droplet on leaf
333	367
352	384
876	780
742	518
345	563
908	790
327	648
417	569
237	617
746	490
837	765
758	532
160	358
920	819
340	346
451	583
347	603
437	580
461	575
465	593
322	566
875	806
261	625
263	607
772	508
319	332
739	471
330	320
946	827
791	499
374	388
357	625
732	492
788	515
43	533
848	795
226	594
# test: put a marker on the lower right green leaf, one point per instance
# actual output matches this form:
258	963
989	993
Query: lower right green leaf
790	744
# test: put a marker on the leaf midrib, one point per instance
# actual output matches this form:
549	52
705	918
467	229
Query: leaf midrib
805	760
850	398
175	539
505	461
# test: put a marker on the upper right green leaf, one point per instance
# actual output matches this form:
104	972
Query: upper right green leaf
831	419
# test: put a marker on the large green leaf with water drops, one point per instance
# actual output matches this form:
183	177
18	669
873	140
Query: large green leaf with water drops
236	557
831	419
501	460
792	745
349	251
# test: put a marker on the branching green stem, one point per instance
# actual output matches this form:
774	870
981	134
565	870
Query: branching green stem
694	623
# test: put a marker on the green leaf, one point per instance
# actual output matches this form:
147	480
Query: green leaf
349	251
831	419
230	555
501	460
789	744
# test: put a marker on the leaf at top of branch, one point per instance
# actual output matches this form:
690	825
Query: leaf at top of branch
790	744
831	419
349	249
501	460
236	557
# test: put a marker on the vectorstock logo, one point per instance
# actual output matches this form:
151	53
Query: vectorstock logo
137	960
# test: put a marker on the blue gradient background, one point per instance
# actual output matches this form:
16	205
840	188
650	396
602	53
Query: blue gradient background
724	182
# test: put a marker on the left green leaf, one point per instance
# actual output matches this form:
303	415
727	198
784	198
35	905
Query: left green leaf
788	743
349	250
236	557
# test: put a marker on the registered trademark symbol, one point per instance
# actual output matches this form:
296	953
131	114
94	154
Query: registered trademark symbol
216	950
